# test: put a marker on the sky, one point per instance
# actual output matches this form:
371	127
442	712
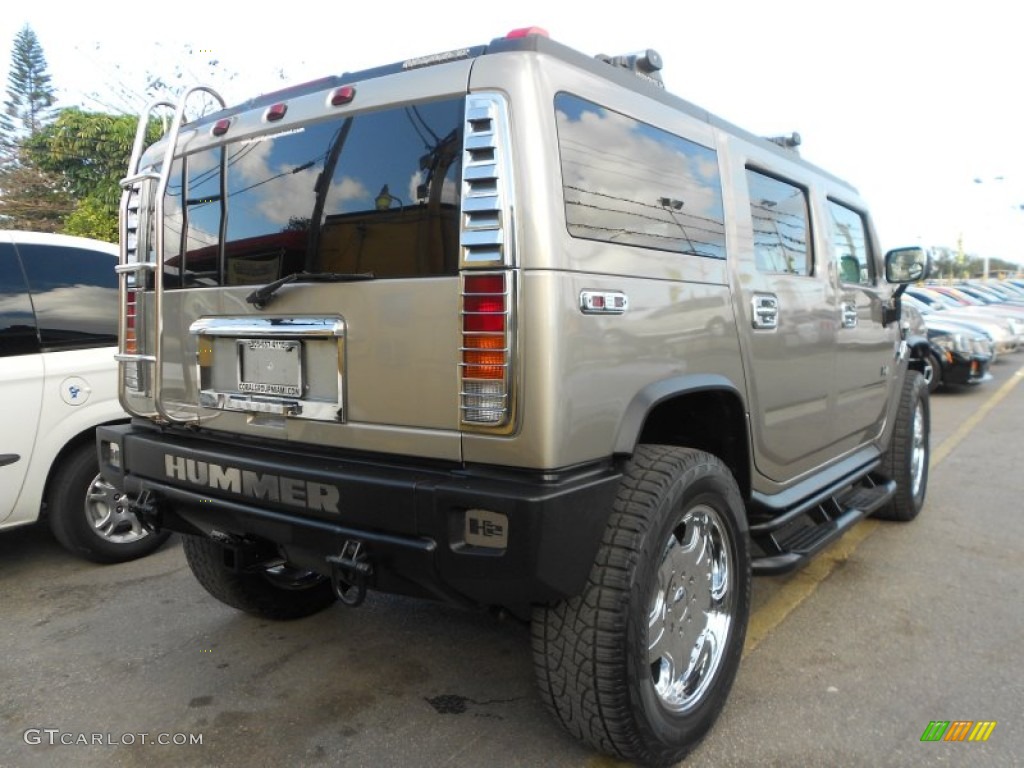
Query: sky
909	101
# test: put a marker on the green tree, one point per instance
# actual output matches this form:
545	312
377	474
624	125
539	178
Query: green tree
29	92
89	151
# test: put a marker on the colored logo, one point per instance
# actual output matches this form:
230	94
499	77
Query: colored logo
958	730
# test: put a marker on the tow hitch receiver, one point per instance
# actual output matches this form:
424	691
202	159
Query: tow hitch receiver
350	573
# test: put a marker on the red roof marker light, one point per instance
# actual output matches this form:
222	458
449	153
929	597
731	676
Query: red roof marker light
515	34
276	111
343	95
221	126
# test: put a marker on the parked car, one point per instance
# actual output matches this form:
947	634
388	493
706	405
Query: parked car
58	380
1007	333
945	352
995	335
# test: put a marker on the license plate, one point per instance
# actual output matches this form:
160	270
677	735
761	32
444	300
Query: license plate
270	367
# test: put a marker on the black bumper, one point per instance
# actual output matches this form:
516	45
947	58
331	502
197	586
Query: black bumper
536	543
964	370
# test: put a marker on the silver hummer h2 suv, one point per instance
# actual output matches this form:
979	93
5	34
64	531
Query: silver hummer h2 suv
511	326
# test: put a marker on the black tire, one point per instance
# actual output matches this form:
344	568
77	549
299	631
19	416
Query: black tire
281	594
907	459
931	370
591	653
85	515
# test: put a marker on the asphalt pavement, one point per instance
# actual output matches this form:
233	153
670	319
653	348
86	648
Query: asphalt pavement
898	626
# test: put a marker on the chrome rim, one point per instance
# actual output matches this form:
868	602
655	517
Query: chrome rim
928	370
919	451
690	613
108	517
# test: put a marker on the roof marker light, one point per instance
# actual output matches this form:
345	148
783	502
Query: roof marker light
343	95
276	112
221	126
515	34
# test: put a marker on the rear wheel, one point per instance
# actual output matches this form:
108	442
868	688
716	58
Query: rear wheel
641	663
280	592
87	515
906	461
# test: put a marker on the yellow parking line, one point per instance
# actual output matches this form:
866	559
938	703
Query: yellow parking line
804	582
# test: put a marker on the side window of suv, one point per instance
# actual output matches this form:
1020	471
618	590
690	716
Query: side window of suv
17	321
629	183
850	243
781	225
75	294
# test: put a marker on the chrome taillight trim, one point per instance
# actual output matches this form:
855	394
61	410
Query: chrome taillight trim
489	405
487	200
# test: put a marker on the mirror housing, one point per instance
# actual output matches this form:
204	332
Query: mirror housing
907	265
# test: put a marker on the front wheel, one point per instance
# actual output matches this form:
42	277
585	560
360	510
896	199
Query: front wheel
906	461
931	370
641	663
280	592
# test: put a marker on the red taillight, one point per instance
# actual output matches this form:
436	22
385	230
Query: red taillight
343	95
486	349
276	111
131	345
515	34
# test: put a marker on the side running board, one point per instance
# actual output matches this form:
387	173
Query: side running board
784	543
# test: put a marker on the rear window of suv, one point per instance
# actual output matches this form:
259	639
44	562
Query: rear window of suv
376	192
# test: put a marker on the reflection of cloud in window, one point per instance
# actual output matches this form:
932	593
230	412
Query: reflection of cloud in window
633	164
345	191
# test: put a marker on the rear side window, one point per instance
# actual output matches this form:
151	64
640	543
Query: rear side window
781	225
17	322
75	294
630	183
851	246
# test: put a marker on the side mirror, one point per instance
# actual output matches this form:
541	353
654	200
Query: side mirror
907	265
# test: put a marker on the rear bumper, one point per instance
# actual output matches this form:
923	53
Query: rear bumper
536	541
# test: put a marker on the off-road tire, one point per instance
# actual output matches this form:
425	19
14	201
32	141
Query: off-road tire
907	459
84	514
591	654
290	594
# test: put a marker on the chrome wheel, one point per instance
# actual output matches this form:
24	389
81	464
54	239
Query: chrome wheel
108	517
691	611
918	450
928	371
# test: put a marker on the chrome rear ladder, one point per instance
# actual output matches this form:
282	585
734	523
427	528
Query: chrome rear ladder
134	190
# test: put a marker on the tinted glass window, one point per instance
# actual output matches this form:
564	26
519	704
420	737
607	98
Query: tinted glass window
75	294
851	245
375	192
629	183
17	322
781	226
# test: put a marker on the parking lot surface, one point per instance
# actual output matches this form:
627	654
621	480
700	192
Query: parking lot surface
848	661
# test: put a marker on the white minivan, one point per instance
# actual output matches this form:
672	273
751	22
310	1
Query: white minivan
58	382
